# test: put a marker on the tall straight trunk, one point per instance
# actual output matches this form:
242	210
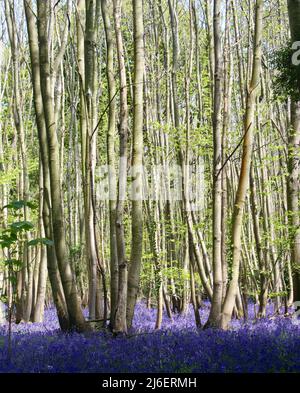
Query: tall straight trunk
175	65
54	277
173	115
245	168
40	274
210	40
262	182
263	293
215	311
192	284
137	161
3	187
226	122
90	92
80	29
169	214
294	196
185	162
294	161
152	229
24	301
76	318
111	160
198	63
152	219
241	71
38	310
80	35
120	324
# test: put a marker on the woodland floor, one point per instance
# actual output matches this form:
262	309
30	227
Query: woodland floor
268	345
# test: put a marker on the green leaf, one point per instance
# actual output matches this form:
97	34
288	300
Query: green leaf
7	240
14	262
16	205
11	236
22	226
41	240
5	244
32	205
4	299
13	280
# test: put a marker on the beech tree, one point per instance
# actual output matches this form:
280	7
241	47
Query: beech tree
137	161
293	186
48	79
244	175
149	153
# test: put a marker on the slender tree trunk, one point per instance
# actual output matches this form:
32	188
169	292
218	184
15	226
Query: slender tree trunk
76	318
215	311
294	161
137	161
90	95
54	277
111	158
245	168
192	285
24	301
39	302
120	313
263	293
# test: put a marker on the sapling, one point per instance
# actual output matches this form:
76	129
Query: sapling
12	240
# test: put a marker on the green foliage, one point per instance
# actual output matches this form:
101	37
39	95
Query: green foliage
75	251
287	75
14	263
21	226
179	275
273	295
147	269
11	175
6	240
41	240
12	237
16	205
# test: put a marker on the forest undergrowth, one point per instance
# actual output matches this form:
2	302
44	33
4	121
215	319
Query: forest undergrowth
270	344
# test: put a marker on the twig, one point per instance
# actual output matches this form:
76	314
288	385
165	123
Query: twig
234	150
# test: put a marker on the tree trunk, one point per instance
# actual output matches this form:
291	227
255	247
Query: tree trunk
137	161
54	277
120	313
111	159
294	161
245	169
76	319
215	311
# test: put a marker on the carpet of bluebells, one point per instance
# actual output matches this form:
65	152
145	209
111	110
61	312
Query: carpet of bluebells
268	345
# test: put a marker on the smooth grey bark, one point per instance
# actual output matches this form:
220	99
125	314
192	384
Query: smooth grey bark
120	323
111	159
263	293
76	318
55	281
40	274
25	287
294	161
137	161
90	92
216	305
244	175
54	277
